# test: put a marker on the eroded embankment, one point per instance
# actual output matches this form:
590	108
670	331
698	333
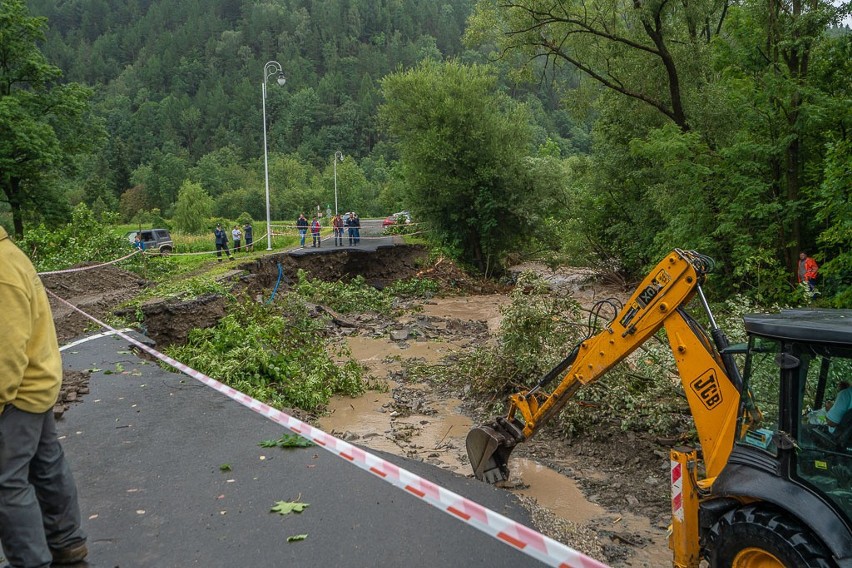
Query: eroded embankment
378	268
169	321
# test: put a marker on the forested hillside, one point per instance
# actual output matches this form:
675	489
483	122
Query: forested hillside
179	86
522	129
188	74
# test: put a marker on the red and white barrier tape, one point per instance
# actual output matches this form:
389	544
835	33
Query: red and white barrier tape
125	257
520	537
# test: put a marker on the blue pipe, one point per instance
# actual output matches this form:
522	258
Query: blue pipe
280	273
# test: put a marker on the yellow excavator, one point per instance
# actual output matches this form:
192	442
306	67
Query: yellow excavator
771	485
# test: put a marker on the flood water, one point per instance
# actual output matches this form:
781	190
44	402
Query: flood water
439	437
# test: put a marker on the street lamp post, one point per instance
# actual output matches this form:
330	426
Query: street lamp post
270	69
337	156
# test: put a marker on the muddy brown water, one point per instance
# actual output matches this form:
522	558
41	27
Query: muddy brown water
437	435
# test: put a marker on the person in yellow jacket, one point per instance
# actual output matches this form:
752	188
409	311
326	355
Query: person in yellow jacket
39	513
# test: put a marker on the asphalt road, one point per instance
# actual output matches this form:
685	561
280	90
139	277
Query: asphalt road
371	239
148	448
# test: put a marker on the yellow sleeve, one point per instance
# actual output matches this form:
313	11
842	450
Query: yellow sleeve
16	323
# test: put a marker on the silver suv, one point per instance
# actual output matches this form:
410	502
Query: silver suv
159	240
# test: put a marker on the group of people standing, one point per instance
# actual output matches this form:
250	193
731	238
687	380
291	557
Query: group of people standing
352	224
237	236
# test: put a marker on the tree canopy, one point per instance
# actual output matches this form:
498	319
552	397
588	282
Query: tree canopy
462	147
42	123
603	134
712	126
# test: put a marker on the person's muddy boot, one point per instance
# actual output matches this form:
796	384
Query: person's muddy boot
68	556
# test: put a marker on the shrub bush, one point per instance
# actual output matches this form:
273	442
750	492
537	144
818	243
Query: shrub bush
272	353
84	239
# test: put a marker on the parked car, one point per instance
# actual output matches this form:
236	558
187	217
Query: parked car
159	240
401	217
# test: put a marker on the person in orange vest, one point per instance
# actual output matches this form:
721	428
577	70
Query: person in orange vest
808	270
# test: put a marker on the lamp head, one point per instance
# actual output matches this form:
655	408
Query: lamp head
281	79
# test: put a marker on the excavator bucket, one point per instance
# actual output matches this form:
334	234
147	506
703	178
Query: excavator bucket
488	451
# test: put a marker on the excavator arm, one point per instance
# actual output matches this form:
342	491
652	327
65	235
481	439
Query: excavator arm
711	382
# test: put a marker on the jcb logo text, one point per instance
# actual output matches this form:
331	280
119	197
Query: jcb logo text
707	388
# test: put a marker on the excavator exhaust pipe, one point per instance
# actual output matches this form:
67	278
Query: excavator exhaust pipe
489	448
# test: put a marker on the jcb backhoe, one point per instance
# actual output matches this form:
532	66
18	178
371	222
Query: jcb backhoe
771	485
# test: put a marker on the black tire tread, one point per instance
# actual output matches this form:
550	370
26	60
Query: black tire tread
803	546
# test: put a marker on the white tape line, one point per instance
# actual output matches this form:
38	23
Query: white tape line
157	253
81	269
522	538
92	337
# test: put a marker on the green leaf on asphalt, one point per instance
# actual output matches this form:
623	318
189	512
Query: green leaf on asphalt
225	467
119	367
296	537
287	507
287	441
107	372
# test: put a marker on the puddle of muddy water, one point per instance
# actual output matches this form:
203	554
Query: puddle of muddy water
382	356
470	308
369	420
560	494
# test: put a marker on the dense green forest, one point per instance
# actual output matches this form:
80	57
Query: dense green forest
519	129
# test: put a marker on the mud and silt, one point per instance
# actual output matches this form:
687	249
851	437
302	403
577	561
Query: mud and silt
592	502
595	494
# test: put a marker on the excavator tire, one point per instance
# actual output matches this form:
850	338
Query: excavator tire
755	537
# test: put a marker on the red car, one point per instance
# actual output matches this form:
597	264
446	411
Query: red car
402	216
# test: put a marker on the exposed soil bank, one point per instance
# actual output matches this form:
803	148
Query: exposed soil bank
96	292
379	269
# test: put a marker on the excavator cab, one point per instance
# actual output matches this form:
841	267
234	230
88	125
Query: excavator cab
784	498
805	410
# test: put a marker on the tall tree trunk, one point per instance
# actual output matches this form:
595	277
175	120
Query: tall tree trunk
12	192
794	169
476	243
654	31
18	220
